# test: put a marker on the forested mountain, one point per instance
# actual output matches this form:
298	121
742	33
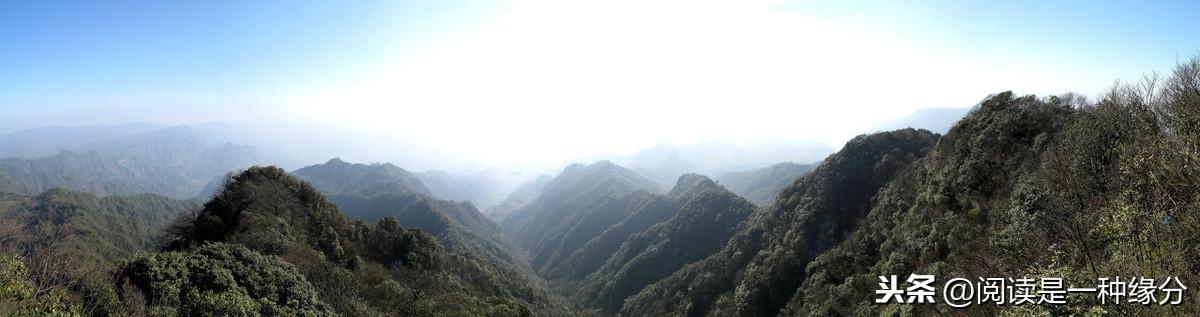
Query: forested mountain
761	185
615	244
337	176
579	204
1023	186
378	191
703	218
70	243
175	162
809	216
271	244
1103	189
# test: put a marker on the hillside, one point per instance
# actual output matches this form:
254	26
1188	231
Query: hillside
705	216
71	241
646	210
354	268
1008	209
579	204
769	252
760	186
378	191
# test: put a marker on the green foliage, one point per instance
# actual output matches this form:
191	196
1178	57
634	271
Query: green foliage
707	216
379	191
73	241
1064	188
762	264
647	210
19	296
578	205
218	279
358	269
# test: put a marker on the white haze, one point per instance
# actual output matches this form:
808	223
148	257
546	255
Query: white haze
548	81
540	84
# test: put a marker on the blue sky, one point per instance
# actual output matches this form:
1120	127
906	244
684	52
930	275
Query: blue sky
508	71
72	55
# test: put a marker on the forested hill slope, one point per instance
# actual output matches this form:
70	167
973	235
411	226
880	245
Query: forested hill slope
703	218
326	263
575	207
374	192
70	242
695	203
1050	187
767	255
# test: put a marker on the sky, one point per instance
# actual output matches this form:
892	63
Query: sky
540	81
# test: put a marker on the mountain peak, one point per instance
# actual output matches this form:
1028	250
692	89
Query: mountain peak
690	183
337	176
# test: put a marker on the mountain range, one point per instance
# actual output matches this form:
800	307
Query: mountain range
120	160
380	191
666	162
1021	186
762	185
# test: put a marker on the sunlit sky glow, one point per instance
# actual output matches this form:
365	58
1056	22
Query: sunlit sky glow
542	81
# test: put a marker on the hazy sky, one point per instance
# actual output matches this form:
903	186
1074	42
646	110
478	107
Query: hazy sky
519	81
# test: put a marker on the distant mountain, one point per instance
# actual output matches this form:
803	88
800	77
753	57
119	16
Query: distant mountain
764	261
664	163
578	205
645	209
937	120
337	176
762	185
377	191
705	216
600	228
523	195
480	189
177	162
48	141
